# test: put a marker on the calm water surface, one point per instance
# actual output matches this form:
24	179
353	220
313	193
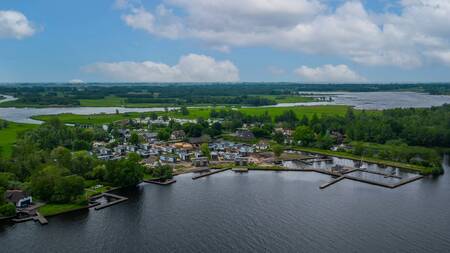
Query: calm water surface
360	100
254	212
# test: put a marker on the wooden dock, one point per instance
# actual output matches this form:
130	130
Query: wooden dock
332	182
119	199
40	218
157	182
240	170
209	173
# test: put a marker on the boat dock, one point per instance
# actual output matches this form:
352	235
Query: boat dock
240	170
118	199
40	218
157	182
332	182
210	173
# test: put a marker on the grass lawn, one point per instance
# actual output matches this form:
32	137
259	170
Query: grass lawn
110	101
88	119
289	98
54	209
8	136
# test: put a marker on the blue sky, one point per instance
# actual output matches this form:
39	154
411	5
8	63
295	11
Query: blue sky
208	40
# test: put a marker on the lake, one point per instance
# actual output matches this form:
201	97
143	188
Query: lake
360	100
254	212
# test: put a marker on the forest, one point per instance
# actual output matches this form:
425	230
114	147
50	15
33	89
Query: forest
178	93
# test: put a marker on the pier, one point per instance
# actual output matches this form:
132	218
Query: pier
240	170
210	173
157	182
118	199
40	218
332	182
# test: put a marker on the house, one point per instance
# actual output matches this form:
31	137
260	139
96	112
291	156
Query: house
200	162
168	158
184	156
245	134
19	198
214	156
241	161
262	145
245	151
178	135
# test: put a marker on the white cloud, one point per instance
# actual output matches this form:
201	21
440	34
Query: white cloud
14	24
190	68
76	81
329	74
406	39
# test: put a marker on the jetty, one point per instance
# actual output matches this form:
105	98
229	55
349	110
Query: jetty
158	182
210	173
117	199
240	170
41	219
332	182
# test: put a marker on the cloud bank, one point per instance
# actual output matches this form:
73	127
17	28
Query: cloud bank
415	35
190	68
14	24
329	74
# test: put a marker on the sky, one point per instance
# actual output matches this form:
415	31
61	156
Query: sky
313	41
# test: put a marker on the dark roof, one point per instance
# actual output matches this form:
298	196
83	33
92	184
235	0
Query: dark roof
15	195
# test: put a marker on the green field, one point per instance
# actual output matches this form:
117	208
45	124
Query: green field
54	209
109	101
289	98
8	136
195	113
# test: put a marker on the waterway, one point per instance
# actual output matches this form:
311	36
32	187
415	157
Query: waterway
252	212
360	100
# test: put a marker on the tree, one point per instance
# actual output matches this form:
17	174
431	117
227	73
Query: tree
82	163
134	139
184	110
278	137
205	150
164	134
125	172
61	156
68	188
277	150
162	172
304	135
43	182
99	172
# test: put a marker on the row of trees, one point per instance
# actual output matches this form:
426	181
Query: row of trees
46	163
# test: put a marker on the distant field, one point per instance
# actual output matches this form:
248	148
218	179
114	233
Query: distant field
109	101
195	113
289	98
8	136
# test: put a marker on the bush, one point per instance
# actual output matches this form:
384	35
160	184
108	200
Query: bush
7	210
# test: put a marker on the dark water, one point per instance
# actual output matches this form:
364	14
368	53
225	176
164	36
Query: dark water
254	212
